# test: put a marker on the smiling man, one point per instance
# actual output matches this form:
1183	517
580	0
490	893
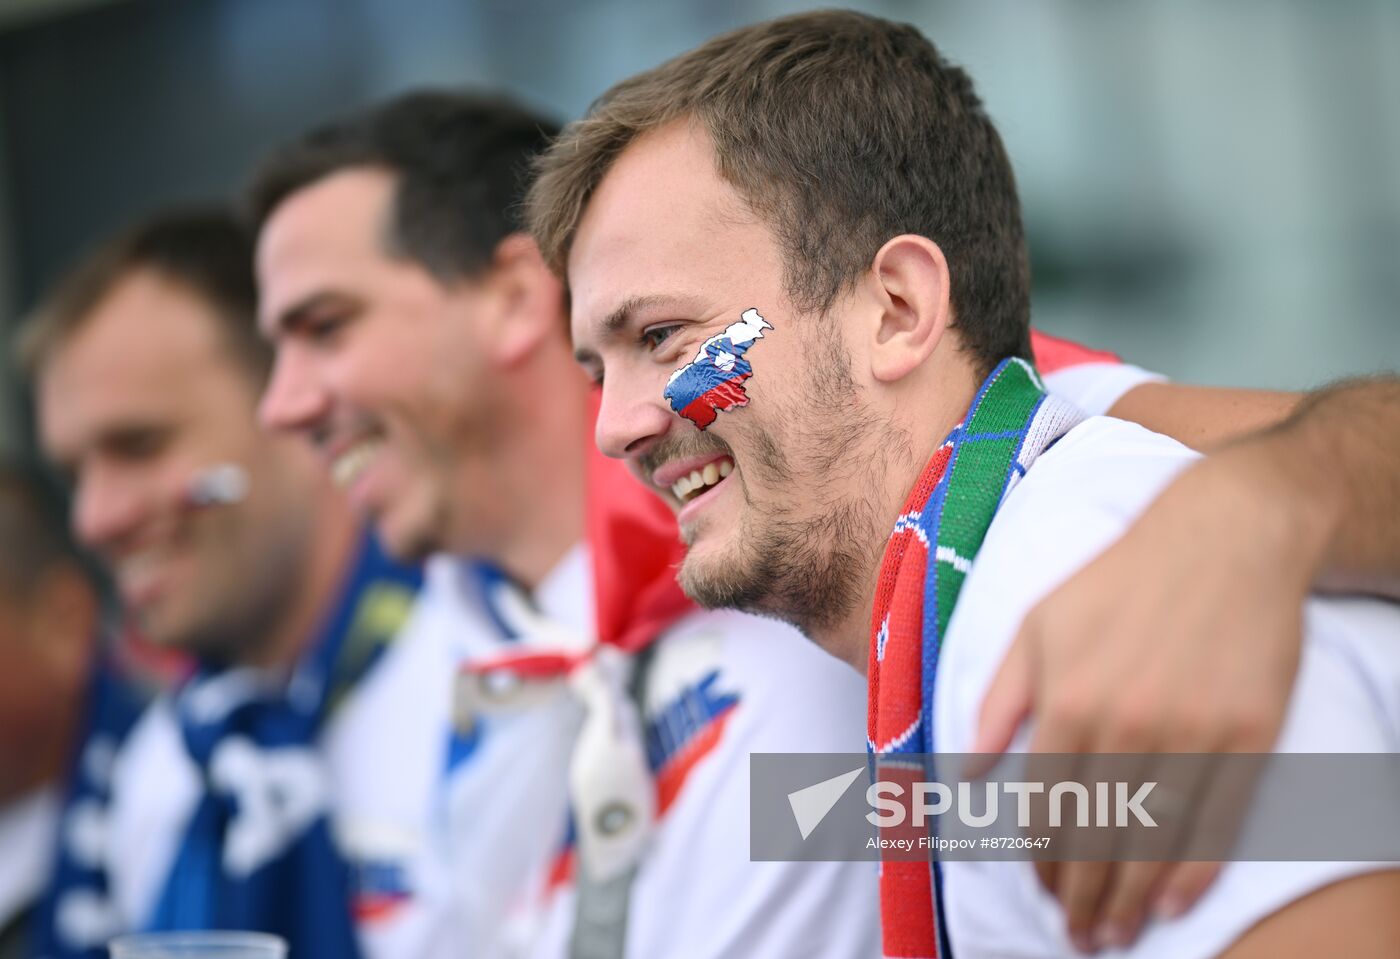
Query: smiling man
898	484
229	545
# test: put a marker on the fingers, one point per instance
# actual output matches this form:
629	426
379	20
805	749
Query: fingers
1084	885
1005	707
1057	755
1080	888
1125	906
1146	851
1182	887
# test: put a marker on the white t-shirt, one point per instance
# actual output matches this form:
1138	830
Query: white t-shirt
723	685
720	685
1075	500
1095	386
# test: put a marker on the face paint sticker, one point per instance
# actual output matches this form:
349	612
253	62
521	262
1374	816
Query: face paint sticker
713	382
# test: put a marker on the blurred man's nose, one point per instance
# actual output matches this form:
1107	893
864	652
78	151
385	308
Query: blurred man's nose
108	506
294	398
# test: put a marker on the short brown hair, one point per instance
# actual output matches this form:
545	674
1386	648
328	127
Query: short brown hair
460	160
841	130
207	251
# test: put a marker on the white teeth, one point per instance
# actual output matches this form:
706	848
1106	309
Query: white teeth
350	464
700	479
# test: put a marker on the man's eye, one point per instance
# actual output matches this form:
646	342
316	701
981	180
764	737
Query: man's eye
656	335
322	327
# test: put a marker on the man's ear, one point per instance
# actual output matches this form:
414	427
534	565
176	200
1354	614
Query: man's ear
525	299
909	278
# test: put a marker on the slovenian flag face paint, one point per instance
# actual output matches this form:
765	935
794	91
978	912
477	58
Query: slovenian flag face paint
713	381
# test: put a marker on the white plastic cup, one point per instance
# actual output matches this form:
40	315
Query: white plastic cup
198	945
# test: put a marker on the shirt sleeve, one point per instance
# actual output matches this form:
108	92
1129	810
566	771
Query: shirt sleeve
1092	380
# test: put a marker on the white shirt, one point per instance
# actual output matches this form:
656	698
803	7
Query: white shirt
697	894
1075	500
720	685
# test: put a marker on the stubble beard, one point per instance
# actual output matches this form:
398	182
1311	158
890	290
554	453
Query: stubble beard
806	558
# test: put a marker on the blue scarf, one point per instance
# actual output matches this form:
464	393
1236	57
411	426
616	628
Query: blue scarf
75	918
258	853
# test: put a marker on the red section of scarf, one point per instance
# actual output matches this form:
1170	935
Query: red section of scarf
906	890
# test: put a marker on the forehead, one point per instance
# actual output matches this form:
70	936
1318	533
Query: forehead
327	232
149	348
664	224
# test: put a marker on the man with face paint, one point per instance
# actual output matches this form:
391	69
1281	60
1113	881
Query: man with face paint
883	249
421	343
228	545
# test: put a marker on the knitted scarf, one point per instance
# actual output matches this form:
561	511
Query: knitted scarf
1011	422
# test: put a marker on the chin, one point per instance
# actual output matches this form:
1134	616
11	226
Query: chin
409	536
723	578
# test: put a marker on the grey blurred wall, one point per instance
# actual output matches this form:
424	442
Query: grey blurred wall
1211	189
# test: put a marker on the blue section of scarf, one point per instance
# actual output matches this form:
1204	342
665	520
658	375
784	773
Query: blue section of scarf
258	853
78	887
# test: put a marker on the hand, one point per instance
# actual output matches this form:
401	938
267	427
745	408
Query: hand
1182	637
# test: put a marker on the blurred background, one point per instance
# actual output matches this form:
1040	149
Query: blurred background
1213	190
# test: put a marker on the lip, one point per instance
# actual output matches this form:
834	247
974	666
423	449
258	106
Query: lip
148	587
692	507
666	476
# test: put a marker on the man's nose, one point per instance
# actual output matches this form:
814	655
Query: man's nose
107	507
630	419
294	398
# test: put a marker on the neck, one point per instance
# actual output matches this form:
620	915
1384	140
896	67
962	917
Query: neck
540	475
925	408
333	533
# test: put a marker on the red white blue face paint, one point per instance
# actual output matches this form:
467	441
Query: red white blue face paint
712	383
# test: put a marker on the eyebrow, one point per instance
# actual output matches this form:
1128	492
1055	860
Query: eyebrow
293	316
619	318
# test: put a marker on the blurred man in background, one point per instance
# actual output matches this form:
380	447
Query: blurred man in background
63	709
229	545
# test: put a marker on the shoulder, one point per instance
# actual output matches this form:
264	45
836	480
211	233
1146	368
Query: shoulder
1075	500
721	686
